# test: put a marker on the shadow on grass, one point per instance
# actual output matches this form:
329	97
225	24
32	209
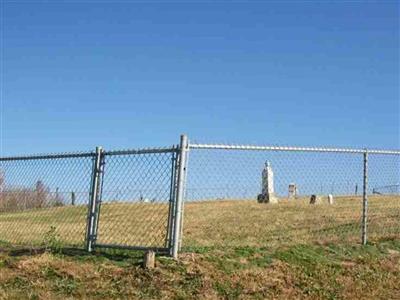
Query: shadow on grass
132	257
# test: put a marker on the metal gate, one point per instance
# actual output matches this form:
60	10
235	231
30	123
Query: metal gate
134	197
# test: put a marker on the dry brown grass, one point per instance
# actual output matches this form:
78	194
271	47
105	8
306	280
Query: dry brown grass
248	223
233	250
232	223
141	224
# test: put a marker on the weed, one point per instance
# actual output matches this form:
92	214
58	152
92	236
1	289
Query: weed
51	241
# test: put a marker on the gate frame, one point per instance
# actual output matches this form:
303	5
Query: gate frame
174	210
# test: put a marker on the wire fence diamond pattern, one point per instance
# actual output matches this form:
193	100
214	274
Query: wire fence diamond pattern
134	198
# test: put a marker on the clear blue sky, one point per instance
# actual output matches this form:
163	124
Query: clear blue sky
130	75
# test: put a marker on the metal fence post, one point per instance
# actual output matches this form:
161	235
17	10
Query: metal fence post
180	190
365	200
184	195
99	196
93	200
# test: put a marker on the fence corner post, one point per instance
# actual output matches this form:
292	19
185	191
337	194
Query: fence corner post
180	188
93	199
364	225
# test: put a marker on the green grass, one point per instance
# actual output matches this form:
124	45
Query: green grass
297	272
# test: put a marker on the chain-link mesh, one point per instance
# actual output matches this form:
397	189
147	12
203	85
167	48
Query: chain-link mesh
384	199
319	197
44	199
136	196
219	180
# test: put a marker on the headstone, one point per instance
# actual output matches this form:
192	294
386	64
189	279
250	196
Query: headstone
292	191
149	260
144	200
330	199
267	192
315	199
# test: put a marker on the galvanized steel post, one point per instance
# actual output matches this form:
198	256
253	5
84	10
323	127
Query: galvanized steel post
184	194
365	200
180	191
94	198
98	196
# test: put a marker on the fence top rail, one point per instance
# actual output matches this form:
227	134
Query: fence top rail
90	154
48	156
175	148
142	151
288	148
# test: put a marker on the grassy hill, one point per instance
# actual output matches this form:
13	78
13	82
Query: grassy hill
231	250
211	223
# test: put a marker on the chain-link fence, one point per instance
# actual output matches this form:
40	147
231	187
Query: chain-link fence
45	197
234	196
384	196
316	196
111	199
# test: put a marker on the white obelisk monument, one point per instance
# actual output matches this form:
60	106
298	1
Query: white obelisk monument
267	192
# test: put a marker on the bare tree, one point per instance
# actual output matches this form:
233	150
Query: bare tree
41	194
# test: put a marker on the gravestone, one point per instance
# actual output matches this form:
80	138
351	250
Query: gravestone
292	191
315	199
267	192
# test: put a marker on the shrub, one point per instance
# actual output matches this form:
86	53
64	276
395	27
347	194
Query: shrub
20	199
